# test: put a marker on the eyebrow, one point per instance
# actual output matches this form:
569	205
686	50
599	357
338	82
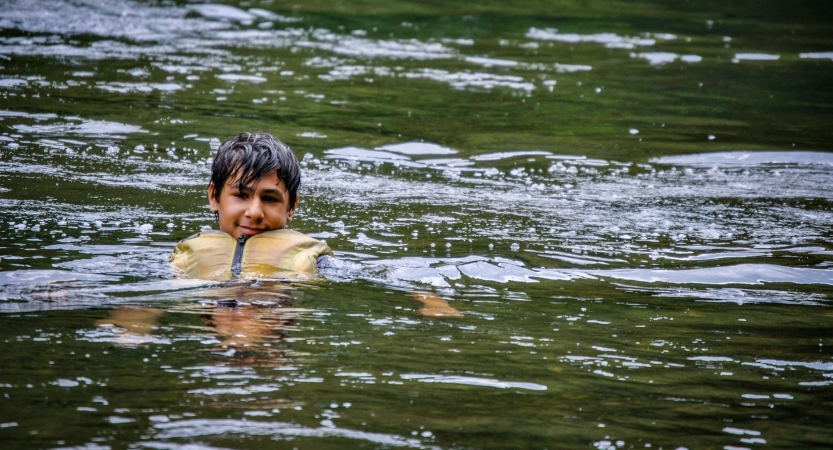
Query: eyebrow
247	188
272	191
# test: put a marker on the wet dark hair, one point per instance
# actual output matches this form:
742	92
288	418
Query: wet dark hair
249	157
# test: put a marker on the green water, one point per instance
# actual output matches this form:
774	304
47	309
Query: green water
628	203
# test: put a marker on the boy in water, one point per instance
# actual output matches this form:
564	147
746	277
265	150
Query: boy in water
253	193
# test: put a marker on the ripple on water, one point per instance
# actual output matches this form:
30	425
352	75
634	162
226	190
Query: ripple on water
132	20
817	55
241	77
609	40
28	277
364	155
747	159
756	57
464	80
497	156
661	58
581	216
755	274
196	428
737	296
175	32
120	336
490	62
561	218
473	381
349	45
12	82
87	128
224	12
418	148
123	88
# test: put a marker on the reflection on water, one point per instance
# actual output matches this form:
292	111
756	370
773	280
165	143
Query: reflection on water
435	305
190	429
134	324
556	225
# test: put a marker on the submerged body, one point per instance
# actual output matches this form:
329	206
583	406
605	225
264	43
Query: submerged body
216	255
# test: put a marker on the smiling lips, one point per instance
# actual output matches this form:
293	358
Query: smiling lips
249	231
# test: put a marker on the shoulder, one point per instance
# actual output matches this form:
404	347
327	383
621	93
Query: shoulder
193	236
291	238
209	234
202	239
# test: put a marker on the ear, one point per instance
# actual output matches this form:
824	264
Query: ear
292	210
213	201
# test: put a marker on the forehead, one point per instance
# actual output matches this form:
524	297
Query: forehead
268	181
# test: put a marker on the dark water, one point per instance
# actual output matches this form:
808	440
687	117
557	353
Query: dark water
626	204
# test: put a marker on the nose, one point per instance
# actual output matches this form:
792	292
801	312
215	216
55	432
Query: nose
255	209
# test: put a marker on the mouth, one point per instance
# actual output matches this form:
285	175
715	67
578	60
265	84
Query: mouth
248	231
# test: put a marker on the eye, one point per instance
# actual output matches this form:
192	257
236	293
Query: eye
241	195
270	199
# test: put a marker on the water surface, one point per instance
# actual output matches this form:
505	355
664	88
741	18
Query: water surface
625	207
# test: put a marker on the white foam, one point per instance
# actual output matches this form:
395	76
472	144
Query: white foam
571	68
756	57
417	148
241	77
509	155
463	80
88	128
123	88
269	15
12	82
223	12
464	42
193	428
711	358
659	58
312	135
609	40
473	381
815	365
741	431
501	273
447	162
490	62
741	158
345	73
818	55
367	48
754	274
665	36
48	276
242	390
362	154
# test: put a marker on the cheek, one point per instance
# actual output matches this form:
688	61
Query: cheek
278	213
274	213
230	209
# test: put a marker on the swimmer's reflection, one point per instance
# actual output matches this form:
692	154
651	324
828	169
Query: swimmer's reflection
434	305
135	320
248	326
251	323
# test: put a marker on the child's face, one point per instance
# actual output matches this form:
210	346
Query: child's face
250	210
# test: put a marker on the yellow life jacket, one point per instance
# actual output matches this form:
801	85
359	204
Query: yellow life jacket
215	255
